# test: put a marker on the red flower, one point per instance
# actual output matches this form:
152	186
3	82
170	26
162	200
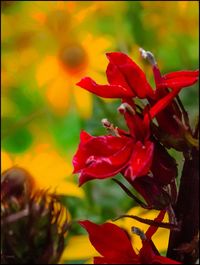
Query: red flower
178	80
105	156
115	246
125	78
105	91
135	153
111	242
101	157
164	167
151	187
130	153
172	116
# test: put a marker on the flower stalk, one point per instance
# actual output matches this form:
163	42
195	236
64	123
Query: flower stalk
183	244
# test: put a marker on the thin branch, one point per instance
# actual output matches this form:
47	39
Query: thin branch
131	195
150	222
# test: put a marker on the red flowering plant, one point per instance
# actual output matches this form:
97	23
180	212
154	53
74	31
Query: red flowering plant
140	152
115	245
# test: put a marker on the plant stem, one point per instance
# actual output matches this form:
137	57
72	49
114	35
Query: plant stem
183	244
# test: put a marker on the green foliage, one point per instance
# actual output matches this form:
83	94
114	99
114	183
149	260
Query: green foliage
15	139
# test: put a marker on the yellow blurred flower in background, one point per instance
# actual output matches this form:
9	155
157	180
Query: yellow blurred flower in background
49	170
171	17
52	40
74	54
60	73
19	51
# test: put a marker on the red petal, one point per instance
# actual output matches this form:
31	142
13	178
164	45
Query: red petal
101	146
160	105
84	136
84	178
101	157
157	75
123	71
165	118
167	123
115	77
146	253
108	166
104	167
105	91
99	260
176	81
148	256
164	167
141	160
153	193
179	79
152	229
110	241
138	129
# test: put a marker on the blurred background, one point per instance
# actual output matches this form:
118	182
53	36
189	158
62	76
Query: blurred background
47	47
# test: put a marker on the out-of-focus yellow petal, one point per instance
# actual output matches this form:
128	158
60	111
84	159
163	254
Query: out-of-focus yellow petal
97	76
79	248
58	95
160	238
83	13
47	70
6	161
26	56
83	100
65	188
96	51
48	165
49	169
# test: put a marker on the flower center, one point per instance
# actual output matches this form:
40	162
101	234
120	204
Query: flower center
73	57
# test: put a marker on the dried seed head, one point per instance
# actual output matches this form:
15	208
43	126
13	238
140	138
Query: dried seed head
32	217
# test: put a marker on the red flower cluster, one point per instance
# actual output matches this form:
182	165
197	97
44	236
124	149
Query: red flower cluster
138	153
127	80
135	153
115	246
